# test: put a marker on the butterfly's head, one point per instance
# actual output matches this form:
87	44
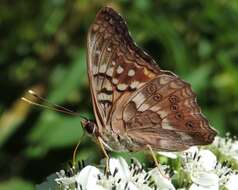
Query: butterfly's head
89	126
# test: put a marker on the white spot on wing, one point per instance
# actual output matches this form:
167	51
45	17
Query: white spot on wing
163	114
155	108
138	99
167	126
131	73
134	84
143	107
104	97
95	69
110	71
184	136
107	85
164	80
119	69
103	68
121	86
115	81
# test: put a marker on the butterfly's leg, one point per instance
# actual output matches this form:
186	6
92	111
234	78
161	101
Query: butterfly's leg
155	160
153	156
105	154
75	152
76	148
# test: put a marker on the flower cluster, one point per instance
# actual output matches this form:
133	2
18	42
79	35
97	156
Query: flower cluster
205	171
212	167
120	176
227	146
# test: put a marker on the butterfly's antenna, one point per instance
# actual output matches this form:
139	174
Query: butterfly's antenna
50	106
50	103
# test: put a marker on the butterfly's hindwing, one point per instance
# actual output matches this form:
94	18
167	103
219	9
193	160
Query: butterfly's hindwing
166	104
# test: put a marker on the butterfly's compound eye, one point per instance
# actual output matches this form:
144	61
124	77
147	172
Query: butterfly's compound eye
89	126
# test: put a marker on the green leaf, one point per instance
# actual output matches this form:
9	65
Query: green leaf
69	80
54	130
16	184
199	78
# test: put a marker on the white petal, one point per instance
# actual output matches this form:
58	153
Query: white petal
216	141
97	187
172	155
232	182
121	165
88	177
207	159
205	179
234	150
132	186
162	182
198	187
66	181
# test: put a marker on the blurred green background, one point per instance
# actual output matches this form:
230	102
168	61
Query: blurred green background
43	46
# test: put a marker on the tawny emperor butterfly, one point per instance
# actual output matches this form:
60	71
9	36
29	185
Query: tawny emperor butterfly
136	104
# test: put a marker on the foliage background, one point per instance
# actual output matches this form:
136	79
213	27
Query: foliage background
42	47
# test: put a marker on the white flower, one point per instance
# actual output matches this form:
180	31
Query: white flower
207	159
64	180
232	182
198	187
133	177
199	164
200	170
88	177
172	155
224	172
227	146
121	177
205	179
162	182
199	160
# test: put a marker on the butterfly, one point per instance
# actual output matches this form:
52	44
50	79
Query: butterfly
136	103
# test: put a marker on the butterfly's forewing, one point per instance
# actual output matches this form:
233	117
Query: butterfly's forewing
116	67
132	97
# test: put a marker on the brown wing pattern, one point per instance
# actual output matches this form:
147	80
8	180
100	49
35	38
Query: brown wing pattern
116	66
165	114
132	97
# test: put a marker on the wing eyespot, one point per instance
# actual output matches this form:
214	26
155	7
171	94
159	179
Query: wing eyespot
178	116
189	124
173	99
151	89
174	107
157	97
